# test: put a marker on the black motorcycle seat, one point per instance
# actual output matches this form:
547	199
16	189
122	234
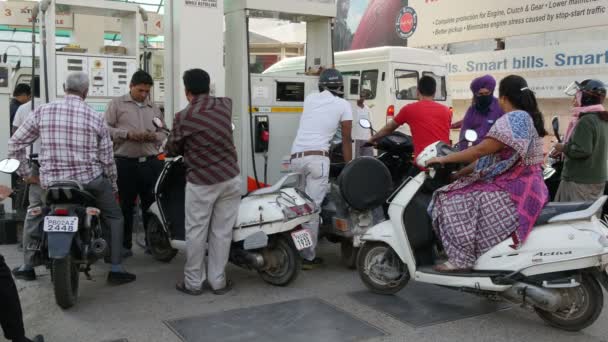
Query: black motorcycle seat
68	193
365	183
557	208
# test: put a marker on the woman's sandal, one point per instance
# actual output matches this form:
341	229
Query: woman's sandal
181	287
448	267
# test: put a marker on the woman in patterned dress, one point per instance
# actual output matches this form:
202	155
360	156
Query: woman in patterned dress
502	192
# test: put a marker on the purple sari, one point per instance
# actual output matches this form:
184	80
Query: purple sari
502	198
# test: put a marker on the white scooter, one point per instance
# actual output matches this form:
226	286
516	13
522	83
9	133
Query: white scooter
267	236
557	272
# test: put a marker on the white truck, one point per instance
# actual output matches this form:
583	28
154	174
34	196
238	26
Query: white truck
390	74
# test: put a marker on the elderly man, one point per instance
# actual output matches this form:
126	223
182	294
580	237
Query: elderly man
202	133
75	145
136	142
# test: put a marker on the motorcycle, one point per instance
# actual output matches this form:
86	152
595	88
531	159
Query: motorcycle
267	236
72	237
343	223
557	272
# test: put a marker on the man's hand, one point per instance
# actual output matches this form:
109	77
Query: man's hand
558	148
5	192
149	137
32	180
136	136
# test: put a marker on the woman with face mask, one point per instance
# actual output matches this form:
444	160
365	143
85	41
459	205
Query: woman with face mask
483	112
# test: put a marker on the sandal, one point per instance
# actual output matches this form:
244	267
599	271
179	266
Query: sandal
181	287
448	267
222	291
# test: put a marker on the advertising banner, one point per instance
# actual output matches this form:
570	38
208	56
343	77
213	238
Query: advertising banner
548	69
434	22
20	14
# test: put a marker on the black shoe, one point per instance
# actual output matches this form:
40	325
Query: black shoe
222	291
38	338
27	275
181	287
120	278
308	265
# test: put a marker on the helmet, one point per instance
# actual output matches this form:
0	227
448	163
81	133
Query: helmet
594	92
331	79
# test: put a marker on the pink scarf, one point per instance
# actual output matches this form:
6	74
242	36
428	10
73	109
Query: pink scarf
576	113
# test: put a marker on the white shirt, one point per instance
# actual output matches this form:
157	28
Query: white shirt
360	133
22	113
323	114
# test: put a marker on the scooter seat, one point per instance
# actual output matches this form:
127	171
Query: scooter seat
566	211
68	192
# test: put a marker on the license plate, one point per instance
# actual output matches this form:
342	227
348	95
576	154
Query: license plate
61	224
302	239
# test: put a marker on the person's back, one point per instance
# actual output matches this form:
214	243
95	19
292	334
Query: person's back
206	126
69	137
321	118
429	122
585	161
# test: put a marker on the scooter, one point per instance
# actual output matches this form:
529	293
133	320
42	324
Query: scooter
72	236
557	272
267	236
344	223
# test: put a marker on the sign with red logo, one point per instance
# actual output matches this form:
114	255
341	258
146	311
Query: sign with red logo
406	23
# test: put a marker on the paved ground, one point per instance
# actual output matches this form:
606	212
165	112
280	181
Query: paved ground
136	311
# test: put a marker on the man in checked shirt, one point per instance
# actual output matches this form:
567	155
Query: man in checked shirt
75	145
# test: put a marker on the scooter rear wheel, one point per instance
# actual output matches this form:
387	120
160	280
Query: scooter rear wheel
582	306
381	269
284	262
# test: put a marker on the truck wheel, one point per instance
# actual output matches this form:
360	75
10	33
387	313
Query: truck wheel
158	241
348	253
283	262
381	269
582	306
66	275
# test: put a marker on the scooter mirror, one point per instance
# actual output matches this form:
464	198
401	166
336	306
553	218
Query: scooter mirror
555	124
365	123
158	123
9	165
470	135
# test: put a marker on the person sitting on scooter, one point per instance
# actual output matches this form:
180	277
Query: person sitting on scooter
585	146
324	112
429	121
483	112
502	193
75	145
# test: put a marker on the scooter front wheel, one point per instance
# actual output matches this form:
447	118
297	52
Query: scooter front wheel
283	262
381	269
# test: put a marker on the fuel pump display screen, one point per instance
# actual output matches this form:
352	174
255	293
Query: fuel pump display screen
290	91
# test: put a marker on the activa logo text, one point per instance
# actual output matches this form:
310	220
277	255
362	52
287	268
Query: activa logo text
544	254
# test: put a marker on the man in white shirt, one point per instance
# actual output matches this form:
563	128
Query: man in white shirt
362	135
323	113
31	234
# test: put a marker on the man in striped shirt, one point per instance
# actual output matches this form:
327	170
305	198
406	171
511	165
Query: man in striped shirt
202	134
75	145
